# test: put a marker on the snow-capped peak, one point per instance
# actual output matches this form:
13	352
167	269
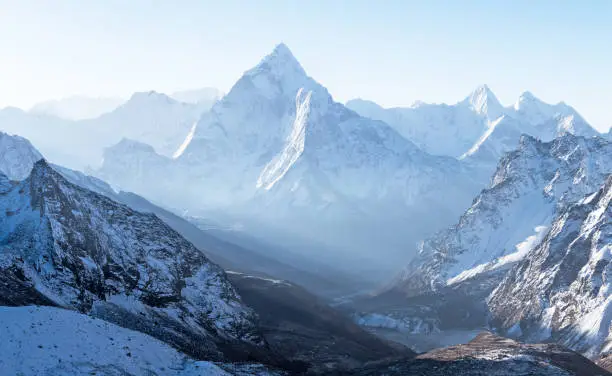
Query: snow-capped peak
279	74
257	110
526	96
17	155
484	102
279	62
533	110
528	100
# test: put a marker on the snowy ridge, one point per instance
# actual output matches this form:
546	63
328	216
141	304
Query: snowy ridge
531	185
535	111
153	118
277	151
438	129
561	289
279	166
149	117
496	148
80	250
186	142
17	156
483	102
462	129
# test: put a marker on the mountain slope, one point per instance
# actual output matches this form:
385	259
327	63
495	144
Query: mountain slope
446	286
17	156
439	129
66	246
474	129
204	98
249	259
561	289
531	185
302	327
278	154
150	117
34	342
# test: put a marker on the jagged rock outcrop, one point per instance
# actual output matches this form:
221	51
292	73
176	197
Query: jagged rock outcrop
66	246
561	290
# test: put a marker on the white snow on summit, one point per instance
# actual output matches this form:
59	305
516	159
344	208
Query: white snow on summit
460	130
277	150
17	156
483	102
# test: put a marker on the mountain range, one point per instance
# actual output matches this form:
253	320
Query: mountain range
460	130
252	226
74	262
78	142
528	257
560	289
280	156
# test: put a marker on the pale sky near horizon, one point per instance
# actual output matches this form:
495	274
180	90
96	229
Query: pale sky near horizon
393	52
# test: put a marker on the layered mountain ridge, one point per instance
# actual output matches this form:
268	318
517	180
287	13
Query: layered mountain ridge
527	258
560	290
277	152
73	248
149	117
530	186
479	121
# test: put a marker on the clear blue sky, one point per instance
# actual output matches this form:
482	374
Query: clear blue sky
393	52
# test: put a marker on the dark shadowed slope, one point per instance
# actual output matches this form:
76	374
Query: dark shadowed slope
300	326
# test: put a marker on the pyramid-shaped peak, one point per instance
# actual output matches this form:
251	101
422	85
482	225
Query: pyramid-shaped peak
527	95
41	170
483	101
282	49
484	88
41	164
278	63
482	92
527	98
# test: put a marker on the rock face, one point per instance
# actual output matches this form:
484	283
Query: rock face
507	219
67	246
487	355
561	289
17	156
446	287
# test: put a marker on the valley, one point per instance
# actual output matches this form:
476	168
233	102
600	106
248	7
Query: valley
274	230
